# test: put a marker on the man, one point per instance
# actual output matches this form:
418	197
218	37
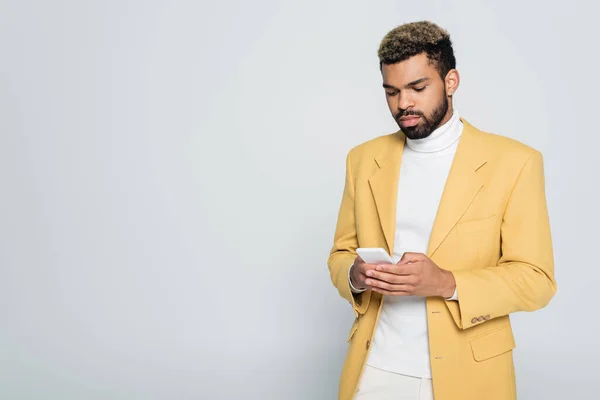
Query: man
463	215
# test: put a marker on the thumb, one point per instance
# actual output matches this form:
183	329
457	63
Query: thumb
410	257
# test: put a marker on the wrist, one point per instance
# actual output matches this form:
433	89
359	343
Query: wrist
448	285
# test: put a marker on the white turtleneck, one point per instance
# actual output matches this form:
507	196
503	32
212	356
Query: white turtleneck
401	343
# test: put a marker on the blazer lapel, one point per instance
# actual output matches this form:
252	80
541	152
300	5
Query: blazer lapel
462	185
384	186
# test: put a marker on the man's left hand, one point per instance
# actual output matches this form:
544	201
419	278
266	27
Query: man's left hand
414	275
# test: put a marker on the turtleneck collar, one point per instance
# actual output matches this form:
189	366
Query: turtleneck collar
440	139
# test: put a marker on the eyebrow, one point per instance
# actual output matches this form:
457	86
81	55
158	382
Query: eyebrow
413	83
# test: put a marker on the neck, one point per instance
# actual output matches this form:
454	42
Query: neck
441	138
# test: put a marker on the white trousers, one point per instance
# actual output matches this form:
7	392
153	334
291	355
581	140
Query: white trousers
377	384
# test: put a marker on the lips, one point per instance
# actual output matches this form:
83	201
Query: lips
409	121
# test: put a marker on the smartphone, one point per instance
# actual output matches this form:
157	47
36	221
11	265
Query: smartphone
374	255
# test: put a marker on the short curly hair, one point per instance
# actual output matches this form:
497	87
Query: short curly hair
414	38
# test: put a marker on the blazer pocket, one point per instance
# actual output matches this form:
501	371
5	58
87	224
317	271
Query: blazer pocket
353	329
492	344
476	225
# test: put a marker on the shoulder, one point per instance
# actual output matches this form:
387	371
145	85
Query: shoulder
502	148
371	148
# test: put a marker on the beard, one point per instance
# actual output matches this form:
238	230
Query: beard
427	124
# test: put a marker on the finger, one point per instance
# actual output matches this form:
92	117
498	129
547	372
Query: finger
363	279
388	277
406	283
375	283
386	264
366	267
391	292
403	261
412	257
376	266
397	269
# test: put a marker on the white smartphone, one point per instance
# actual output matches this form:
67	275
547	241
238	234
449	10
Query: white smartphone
374	255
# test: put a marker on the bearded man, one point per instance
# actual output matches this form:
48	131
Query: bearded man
463	215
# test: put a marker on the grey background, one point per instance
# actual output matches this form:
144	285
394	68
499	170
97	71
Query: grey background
171	173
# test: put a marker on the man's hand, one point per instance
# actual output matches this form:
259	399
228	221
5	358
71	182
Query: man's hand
358	271
414	275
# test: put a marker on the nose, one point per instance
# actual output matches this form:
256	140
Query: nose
405	100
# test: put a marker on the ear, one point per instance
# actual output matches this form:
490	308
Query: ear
452	81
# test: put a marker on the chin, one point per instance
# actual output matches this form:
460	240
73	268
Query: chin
414	134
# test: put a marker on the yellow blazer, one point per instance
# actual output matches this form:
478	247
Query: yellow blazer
491	230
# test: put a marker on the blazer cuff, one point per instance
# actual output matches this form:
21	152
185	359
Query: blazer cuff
454	296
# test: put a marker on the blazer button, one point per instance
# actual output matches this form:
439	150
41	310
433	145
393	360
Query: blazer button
474	321
480	319
368	344
486	317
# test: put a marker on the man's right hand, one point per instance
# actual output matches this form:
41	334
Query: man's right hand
358	271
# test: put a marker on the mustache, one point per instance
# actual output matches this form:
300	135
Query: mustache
408	113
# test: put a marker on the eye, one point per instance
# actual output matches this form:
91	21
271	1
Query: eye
420	89
395	92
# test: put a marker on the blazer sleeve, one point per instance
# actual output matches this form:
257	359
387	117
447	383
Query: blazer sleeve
523	279
343	252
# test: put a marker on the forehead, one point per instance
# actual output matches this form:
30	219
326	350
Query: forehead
401	73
